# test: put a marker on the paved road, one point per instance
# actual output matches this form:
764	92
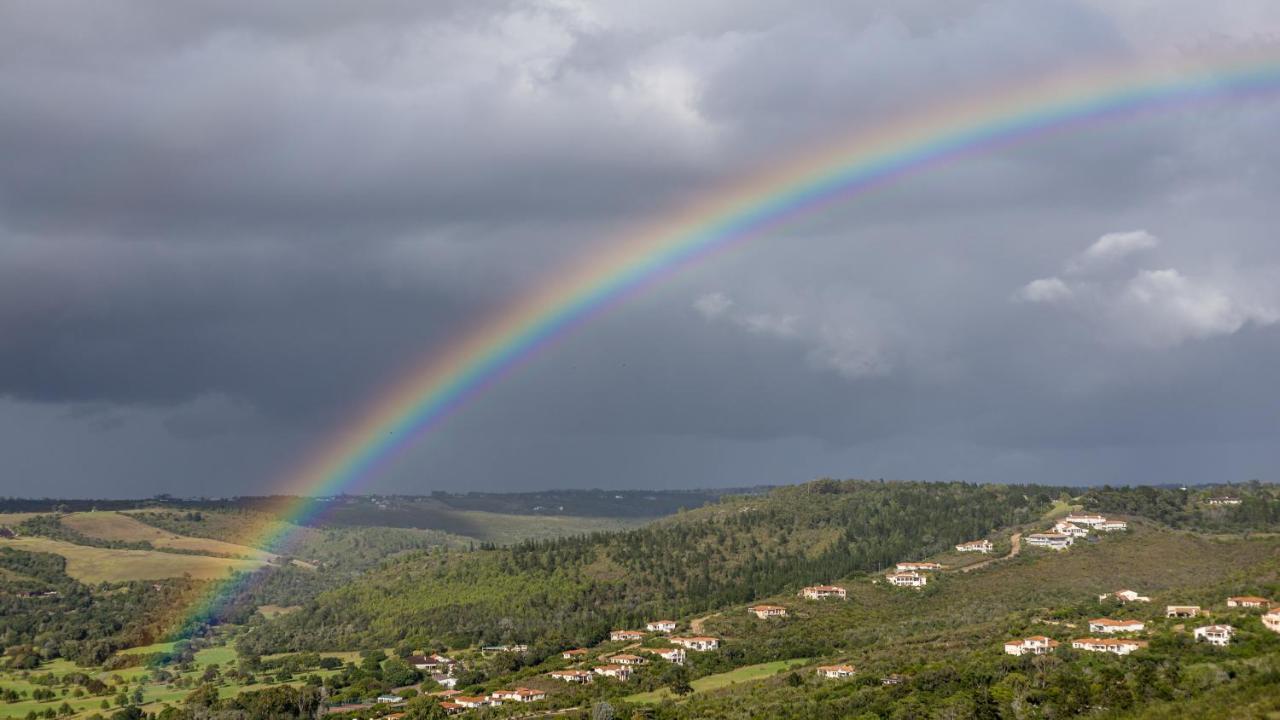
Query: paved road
1016	547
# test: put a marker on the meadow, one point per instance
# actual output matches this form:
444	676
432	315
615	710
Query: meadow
93	565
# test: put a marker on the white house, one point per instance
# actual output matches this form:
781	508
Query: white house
1272	620
1181	611
1112	526
981	546
764	612
822	592
626	635
1034	645
572	676
1066	528
448	682
1118	646
697	643
1124	596
1053	541
1089	520
1107	625
628	659
674	655
1215	634
1224	500
575	654
1248	601
430	662
907	579
617	672
521	694
664	626
836	672
917	566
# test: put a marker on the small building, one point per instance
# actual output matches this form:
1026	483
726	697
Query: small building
1112	526
1181	611
836	672
674	655
430	662
617	672
978	546
663	626
626	635
452	708
893	679
764	612
472	701
1248	601
822	592
1034	645
1053	541
1124	596
1224	500
572	676
1271	620
628	659
1215	634
917	566
448	682
576	654
1075	531
390	699
907	579
520	694
1107	625
1116	646
1089	520
697	643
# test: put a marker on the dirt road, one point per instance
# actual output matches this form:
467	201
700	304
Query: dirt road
1015	547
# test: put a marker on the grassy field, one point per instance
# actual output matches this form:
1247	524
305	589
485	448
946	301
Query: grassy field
94	565
747	673
117	526
11	519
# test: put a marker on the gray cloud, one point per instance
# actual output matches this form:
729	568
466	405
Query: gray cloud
224	226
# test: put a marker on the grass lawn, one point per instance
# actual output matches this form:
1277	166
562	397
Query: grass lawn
747	673
162	647
117	526
93	565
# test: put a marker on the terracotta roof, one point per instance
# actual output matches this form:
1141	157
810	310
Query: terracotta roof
1249	598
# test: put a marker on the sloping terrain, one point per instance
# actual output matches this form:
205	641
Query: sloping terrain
124	528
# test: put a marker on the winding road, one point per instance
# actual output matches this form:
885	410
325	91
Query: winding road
1015	547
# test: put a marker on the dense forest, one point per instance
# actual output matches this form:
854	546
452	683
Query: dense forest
1258	508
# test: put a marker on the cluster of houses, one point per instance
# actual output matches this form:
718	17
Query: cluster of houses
1068	529
911	574
620	665
1215	634
456	702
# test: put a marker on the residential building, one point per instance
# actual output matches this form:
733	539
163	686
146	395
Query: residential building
981	546
1118	646
1112	526
430	662
452	708
572	676
390	699
520	694
1066	528
822	592
1053	541
1215	634
1248	601
1223	500
1107	625
1124	596
907	579
445	681
1271	620
628	659
698	643
626	635
893	679
617	672
664	626
917	566
472	701
764	612
1181	611
836	672
577	654
1089	520
1034	645
673	655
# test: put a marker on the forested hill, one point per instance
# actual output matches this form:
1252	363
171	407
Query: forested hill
573	591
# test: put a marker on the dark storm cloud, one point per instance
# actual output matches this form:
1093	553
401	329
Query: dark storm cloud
223	226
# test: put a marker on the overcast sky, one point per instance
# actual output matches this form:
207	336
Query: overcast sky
224	226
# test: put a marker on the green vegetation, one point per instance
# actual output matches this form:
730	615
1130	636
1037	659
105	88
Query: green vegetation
747	673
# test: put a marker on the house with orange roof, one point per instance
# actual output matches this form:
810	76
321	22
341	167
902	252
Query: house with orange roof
822	592
697	643
673	655
764	612
1034	645
664	626
617	672
1116	646
572	676
907	579
1107	625
575	654
1215	634
1248	601
520	694
626	635
628	659
836	672
1181	611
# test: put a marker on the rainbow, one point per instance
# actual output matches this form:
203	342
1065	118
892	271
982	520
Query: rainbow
445	381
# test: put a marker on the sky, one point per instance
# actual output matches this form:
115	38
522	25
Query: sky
224	227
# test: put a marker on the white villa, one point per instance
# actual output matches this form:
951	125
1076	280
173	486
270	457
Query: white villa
1124	596
1053	541
1248	601
617	672
1035	645
674	655
822	592
1112	526
664	626
917	566
1181	611
572	676
1215	634
836	672
575	654
628	659
981	546
764	612
907	579
1118	646
625	635
1066	528
1107	625
697	643
1272	620
523	695
1090	520
1224	500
